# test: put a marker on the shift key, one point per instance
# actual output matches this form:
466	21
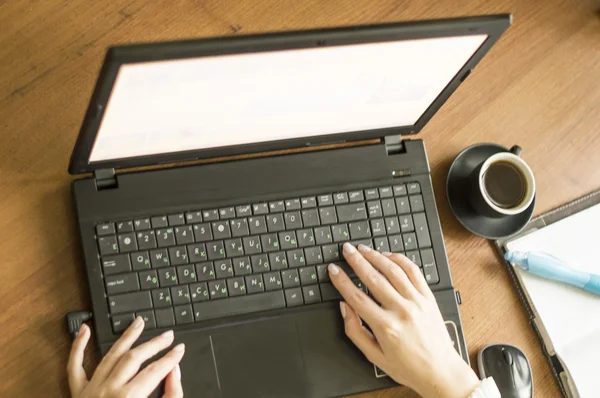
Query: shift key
129	302
353	212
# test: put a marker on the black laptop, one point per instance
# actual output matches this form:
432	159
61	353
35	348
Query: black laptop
232	254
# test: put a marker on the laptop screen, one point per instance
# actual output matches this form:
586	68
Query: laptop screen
218	101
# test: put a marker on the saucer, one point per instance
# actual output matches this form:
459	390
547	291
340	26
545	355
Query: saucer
457	189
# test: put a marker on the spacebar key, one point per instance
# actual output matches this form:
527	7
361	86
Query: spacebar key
239	305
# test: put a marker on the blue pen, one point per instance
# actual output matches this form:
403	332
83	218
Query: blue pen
550	267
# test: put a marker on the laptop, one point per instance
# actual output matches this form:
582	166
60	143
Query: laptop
232	253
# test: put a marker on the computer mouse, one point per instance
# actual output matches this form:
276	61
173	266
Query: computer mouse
510	369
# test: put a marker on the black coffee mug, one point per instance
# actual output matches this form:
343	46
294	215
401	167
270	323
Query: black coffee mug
502	185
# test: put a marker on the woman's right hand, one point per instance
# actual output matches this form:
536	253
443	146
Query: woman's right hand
117	374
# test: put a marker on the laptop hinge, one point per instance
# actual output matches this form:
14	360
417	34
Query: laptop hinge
394	144
105	179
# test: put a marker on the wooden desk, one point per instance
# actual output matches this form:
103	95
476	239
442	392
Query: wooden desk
538	87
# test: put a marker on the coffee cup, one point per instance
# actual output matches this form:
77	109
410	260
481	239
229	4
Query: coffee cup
502	185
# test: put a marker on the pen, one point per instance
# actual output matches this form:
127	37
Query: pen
549	267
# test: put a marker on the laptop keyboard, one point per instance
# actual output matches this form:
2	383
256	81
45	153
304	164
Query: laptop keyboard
208	264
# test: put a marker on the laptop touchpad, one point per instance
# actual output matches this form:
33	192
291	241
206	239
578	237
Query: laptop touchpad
261	359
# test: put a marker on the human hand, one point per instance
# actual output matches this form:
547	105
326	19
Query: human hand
409	340
117	374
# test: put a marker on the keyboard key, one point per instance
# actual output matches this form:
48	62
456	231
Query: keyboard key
406	223
356	196
129	302
313	255
199	292
176	219
277	260
221	230
275	222
322	273
260	208
427	258
385	192
402	206
377	227
224	268
184	235
352	212
371	194
122	283
325	200
167	277
121	322
340	233
254	284
388	207
202	232
217	289
290	278
197	253
410	241
243	211
400	190
146	240
105	229
310	218
149	320
414	256
323	235
293	297
191	217
159	258
391	225
308	275
272	280
124	226
258	225
269	242
327	215
215	250
116	264
164	317
236	286
251	245
205	271
292	204
141	224
186	273
242	266
331	253
311	294
396	244
381	244
226	212
293	220
234	247
108	245
366	242
239	305
308	202
306	237
288	240
413	187
178	255
127	242
148	279
296	258
374	209
180	295
239	227
359	230
165	237
210	215
416	203
159	222
329	292
431	275
277	206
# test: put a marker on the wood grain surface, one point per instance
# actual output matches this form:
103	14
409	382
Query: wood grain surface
539	87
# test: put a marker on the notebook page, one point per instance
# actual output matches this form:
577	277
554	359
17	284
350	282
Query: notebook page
571	316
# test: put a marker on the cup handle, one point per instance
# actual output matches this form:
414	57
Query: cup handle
517	150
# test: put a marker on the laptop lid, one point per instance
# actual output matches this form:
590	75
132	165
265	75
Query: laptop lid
183	101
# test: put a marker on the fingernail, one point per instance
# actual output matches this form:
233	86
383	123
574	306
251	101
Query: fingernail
387	254
179	347
167	335
138	322
364	248
82	330
333	269
177	372
343	309
348	248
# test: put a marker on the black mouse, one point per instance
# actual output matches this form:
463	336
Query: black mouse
510	369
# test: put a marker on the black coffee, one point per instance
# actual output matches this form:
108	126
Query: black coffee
504	184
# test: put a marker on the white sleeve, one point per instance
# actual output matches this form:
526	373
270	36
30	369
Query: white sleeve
487	389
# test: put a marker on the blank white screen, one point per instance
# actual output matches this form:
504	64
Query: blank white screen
208	102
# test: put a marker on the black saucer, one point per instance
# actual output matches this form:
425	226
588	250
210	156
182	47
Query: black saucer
457	189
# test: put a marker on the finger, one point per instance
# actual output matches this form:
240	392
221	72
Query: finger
393	273
412	271
173	388
77	377
149	378
377	284
130	363
366	308
119	349
360	336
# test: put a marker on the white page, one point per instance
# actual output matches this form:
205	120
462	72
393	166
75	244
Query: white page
571	316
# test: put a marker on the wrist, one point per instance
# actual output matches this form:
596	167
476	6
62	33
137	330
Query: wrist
457	380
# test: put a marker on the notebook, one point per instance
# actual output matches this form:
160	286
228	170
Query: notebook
567	319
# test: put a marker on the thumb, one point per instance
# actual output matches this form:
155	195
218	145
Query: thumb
77	377
173	388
